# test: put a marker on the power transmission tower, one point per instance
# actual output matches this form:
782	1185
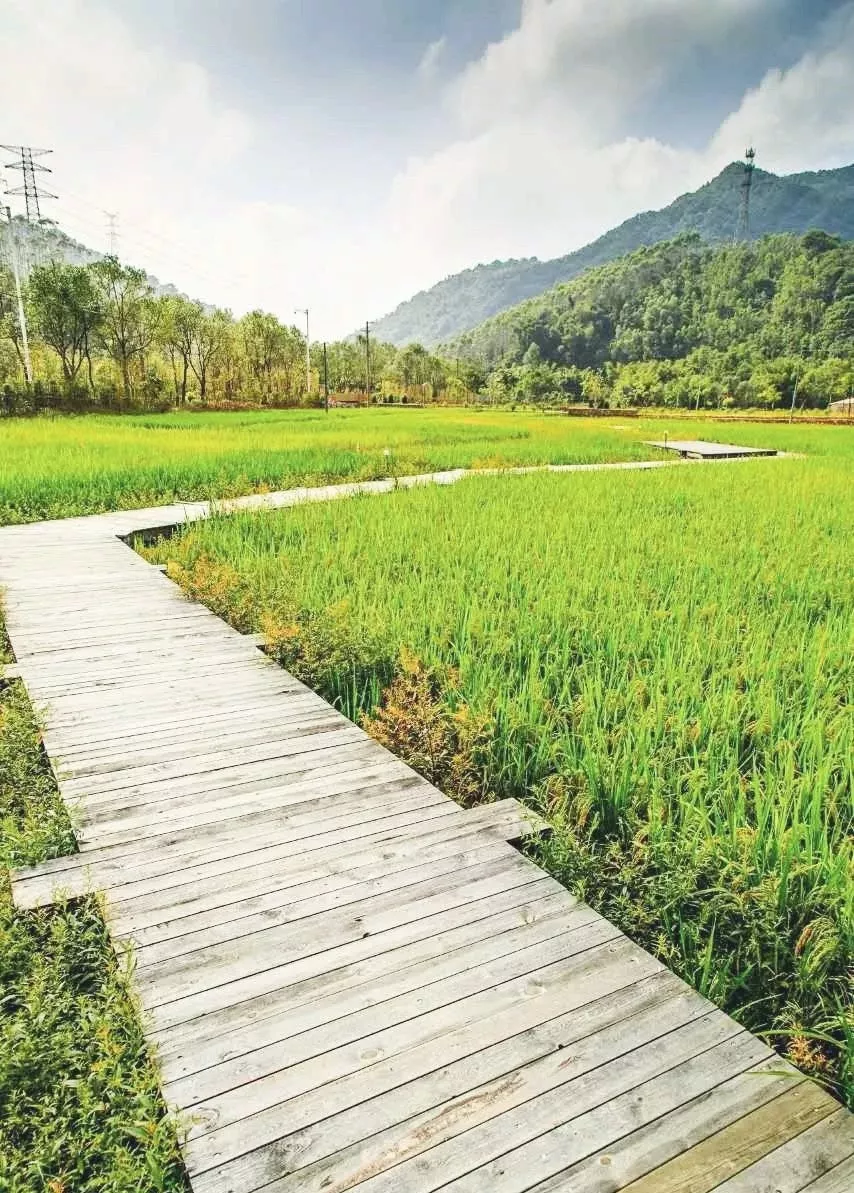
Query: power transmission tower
743	232
29	168
112	233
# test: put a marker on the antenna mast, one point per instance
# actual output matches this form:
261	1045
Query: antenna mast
743	232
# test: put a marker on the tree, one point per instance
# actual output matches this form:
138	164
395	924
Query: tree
130	315
211	335
10	328
67	313
271	349
178	330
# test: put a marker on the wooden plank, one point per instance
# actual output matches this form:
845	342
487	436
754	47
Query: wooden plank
146	915
694	1149
793	1166
218	965
333	1118
233	1087
173	939
457	1138
427	936
838	1180
577	1119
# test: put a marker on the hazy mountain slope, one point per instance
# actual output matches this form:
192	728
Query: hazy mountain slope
41	243
794	203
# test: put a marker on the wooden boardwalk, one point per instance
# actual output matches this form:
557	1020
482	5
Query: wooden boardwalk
348	981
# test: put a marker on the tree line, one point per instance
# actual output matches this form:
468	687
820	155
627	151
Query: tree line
100	335
682	324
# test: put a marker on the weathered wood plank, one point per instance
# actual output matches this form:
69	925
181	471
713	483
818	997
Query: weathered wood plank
793	1166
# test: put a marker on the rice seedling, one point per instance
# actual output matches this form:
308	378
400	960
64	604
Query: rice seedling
659	662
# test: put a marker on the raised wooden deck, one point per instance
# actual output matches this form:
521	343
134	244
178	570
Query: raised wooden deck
348	981
702	449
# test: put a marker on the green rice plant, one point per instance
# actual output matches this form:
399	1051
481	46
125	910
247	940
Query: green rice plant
662	663
80	1107
58	467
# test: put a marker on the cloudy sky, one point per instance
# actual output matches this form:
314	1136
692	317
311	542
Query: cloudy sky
343	154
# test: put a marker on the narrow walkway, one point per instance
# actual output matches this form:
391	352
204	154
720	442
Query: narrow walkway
350	982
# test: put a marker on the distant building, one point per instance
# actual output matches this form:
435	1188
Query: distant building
843	406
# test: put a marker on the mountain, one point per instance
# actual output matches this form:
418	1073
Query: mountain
791	203
39	243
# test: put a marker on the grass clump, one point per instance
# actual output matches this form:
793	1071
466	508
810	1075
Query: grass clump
659	662
80	1107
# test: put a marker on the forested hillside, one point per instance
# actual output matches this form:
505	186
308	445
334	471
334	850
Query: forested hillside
683	323
794	203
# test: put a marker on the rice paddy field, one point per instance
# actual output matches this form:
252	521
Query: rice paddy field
59	467
662	663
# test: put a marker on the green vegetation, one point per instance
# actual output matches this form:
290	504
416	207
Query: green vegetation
101	334
80	1108
55	468
794	203
660	662
685	325
768	324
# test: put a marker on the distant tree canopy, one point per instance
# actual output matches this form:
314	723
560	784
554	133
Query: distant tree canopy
145	349
684	324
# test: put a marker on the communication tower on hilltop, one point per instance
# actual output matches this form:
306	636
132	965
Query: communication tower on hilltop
743	232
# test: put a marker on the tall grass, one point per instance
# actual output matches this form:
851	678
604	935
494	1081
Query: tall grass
661	662
80	1107
57	467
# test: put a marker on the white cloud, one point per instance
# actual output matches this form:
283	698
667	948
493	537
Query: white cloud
594	60
428	67
801	118
544	159
537	148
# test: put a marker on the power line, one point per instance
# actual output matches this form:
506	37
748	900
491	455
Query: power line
29	168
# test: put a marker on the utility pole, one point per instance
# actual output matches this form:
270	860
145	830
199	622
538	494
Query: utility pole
112	233
368	357
325	379
304	311
29	168
22	318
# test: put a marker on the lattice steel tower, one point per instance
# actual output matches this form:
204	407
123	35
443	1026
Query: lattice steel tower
743	232
29	168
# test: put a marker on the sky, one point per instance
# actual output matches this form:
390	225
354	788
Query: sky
341	155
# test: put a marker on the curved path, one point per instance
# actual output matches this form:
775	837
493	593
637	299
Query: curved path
348	981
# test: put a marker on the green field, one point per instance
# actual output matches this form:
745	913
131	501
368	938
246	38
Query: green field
660	662
80	1105
59	467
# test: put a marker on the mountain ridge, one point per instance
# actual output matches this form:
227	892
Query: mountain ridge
779	203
